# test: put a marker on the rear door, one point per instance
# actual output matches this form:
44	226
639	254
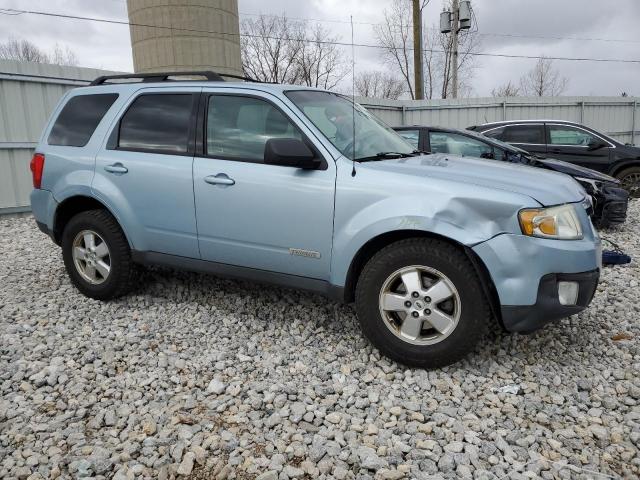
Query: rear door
145	171
251	214
576	145
528	136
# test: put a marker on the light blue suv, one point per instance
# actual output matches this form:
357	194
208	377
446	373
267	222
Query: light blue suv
300	187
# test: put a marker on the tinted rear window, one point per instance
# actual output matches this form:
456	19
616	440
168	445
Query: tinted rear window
518	134
157	123
79	118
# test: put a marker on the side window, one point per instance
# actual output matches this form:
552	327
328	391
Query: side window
495	133
532	134
565	135
238	127
456	144
158	123
79	118
412	136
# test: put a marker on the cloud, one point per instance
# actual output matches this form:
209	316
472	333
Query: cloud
108	46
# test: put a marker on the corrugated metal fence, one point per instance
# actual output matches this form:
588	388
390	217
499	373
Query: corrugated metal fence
29	92
615	116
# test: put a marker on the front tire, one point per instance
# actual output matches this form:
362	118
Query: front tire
630	181
420	302
97	256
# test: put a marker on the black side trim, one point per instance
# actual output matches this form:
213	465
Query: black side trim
528	318
44	229
325	288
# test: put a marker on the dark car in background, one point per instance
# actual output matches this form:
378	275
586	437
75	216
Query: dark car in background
572	143
609	200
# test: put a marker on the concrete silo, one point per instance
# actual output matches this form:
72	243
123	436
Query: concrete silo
174	35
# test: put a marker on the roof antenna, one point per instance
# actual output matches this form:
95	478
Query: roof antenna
353	103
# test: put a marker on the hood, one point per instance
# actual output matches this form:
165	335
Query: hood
575	170
546	187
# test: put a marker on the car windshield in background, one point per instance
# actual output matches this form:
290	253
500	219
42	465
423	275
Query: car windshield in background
333	115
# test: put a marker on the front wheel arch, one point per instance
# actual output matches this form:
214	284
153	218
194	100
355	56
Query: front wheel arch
369	249
623	165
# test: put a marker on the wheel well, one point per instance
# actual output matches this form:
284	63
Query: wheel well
374	245
621	168
69	208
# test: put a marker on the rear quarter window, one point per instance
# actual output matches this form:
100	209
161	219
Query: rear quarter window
79	118
528	134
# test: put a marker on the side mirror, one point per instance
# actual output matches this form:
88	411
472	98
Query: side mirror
290	152
596	145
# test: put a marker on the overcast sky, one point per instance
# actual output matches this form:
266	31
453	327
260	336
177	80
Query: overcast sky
107	46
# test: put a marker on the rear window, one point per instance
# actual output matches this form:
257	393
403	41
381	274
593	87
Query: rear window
157	123
532	134
79	118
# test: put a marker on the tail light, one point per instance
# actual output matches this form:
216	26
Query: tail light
37	167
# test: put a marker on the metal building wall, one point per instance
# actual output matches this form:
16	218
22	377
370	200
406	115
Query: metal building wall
26	101
615	116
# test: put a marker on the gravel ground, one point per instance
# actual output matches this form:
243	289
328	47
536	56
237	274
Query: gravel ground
199	377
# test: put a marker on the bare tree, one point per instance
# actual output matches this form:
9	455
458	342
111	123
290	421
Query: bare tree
506	90
395	38
63	56
377	84
319	62
277	49
22	50
270	48
25	51
543	81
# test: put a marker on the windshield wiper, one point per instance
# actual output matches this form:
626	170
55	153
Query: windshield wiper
384	156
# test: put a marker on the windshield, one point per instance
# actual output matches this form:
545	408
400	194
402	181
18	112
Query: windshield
334	114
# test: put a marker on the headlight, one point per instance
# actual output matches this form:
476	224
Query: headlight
556	222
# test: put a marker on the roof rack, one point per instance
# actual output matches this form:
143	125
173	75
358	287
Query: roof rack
165	77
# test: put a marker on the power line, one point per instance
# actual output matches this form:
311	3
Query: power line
488	34
326	42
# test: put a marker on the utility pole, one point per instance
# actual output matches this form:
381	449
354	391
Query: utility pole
453	22
454	48
418	78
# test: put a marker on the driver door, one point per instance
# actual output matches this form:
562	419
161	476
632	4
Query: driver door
571	144
250	214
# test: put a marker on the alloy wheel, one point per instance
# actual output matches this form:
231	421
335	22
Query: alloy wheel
420	305
91	257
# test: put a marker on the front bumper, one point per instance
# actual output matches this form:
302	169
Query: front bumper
527	318
610	206
525	272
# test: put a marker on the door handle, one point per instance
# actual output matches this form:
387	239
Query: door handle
116	168
555	150
219	179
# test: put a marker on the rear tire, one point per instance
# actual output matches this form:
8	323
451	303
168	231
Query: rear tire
408	334
630	180
97	255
